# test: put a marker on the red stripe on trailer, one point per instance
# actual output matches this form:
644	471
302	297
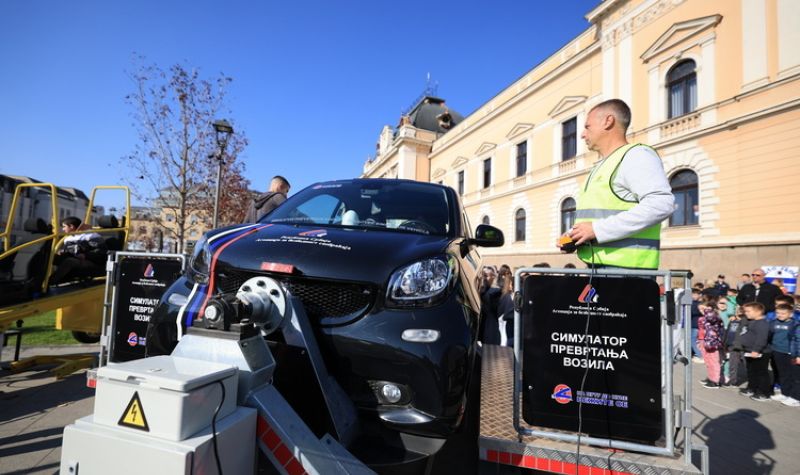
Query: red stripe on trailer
273	442
282	454
294	468
271	439
547	465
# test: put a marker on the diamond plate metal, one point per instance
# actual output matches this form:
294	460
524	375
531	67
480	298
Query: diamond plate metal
497	430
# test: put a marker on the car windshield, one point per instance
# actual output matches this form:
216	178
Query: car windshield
394	206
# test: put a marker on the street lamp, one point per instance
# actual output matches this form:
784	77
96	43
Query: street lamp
223	130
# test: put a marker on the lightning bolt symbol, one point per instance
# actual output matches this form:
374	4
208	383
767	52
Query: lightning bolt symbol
134	411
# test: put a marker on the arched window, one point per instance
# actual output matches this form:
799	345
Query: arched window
682	88
485	220
519	225
684	187
567	214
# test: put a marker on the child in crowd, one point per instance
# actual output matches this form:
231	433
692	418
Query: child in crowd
784	332
725	310
711	340
734	369
787	300
697	355
754	341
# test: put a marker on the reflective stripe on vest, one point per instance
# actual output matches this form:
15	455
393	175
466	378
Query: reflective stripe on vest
597	200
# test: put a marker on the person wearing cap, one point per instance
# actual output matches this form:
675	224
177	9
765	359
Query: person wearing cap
721	287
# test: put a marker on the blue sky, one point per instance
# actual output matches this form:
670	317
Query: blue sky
314	81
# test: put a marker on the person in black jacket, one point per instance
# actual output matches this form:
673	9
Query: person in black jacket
266	202
759	291
754	341
490	298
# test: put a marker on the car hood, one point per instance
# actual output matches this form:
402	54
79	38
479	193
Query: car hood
328	253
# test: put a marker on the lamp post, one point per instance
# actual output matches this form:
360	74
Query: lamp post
223	130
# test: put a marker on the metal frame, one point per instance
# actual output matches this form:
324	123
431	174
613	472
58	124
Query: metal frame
666	362
110	297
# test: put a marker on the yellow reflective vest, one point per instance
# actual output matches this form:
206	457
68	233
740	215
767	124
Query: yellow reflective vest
597	200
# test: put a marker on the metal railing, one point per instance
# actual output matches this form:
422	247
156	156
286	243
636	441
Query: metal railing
667	358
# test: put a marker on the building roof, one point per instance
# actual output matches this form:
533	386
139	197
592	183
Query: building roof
431	113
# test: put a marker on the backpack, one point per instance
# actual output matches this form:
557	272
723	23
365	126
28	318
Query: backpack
713	338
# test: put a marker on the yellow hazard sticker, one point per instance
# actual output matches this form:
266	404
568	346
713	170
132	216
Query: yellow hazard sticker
133	416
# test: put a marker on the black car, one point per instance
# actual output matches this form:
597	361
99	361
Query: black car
386	271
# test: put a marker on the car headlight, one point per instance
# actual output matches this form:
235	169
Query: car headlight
422	283
198	264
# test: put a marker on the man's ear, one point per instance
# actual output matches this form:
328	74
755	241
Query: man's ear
609	122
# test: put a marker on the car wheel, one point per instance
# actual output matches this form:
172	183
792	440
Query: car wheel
86	337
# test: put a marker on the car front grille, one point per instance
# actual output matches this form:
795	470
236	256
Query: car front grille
326	302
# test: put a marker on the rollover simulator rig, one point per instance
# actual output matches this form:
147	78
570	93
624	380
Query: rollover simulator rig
207	406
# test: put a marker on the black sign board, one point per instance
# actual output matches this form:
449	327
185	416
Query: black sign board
621	396
140	283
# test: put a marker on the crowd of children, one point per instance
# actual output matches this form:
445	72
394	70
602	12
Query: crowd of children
739	341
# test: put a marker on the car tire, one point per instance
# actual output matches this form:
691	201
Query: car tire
86	337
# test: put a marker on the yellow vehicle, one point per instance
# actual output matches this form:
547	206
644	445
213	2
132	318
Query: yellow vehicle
28	252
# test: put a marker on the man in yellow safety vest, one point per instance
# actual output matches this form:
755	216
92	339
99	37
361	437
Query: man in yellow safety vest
625	198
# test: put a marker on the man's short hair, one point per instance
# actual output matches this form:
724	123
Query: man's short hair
283	181
784	307
745	275
620	111
787	299
71	221
755	306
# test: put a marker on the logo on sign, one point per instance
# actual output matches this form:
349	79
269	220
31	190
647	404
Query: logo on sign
133	339
318	233
589	295
562	394
149	272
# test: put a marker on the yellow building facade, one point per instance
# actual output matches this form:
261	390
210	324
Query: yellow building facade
714	87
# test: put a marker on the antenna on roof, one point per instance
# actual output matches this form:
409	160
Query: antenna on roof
431	89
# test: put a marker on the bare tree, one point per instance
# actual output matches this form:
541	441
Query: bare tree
173	165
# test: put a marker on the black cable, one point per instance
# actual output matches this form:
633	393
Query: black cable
586	360
214	428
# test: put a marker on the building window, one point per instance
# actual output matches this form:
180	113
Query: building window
487	172
567	214
682	88
684	187
519	225
522	158
485	220
569	139
461	183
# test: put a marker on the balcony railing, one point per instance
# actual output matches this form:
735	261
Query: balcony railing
680	125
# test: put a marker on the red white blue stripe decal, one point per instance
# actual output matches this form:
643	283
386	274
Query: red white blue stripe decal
201	293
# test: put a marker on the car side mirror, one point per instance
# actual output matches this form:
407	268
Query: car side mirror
487	236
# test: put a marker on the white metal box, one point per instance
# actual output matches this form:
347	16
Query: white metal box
164	396
92	449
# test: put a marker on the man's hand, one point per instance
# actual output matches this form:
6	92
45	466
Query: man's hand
754	354
581	233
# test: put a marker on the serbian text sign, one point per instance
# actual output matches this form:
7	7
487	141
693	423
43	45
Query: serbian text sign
612	366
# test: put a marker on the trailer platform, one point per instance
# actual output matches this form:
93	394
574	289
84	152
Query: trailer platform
500	444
